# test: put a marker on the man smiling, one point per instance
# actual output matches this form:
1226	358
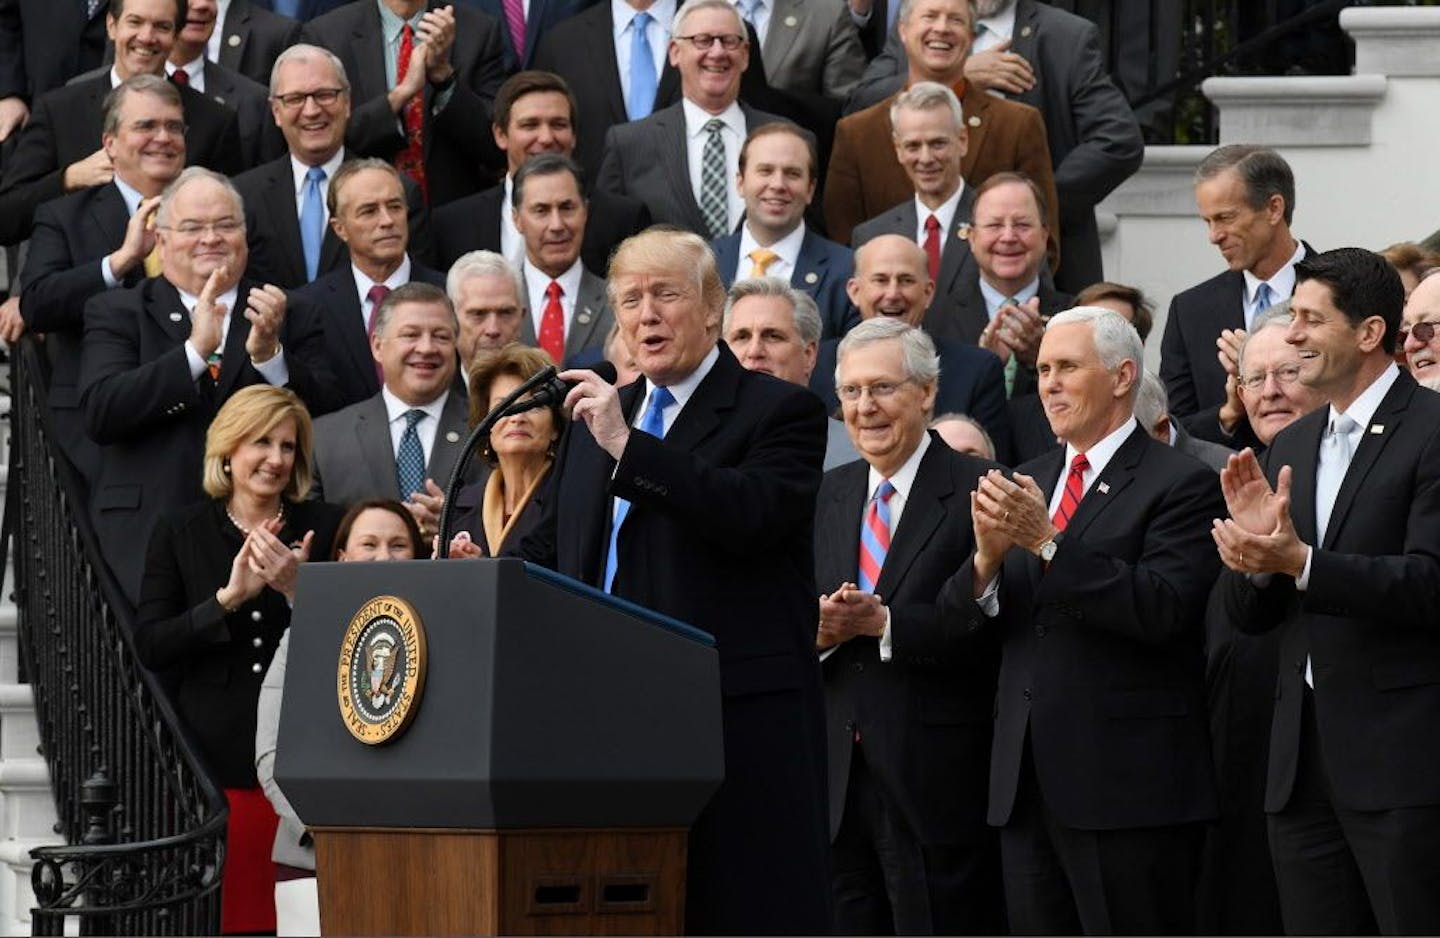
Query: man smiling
1417	332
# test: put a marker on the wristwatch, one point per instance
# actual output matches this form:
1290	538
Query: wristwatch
1047	550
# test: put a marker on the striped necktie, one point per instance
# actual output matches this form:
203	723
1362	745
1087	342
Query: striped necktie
875	537
1074	491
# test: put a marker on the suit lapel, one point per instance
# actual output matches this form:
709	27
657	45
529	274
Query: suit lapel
712	401
167	311
108	216
787	18
236	32
589	305
1302	478
926	505
811	265
1025	41
218	87
610	71
1377	436
234	357
280	199
488	212
840	521
369	46
449	438
372	437
727	256
346	305
670	124
1118	474
956	260
976	106
527	321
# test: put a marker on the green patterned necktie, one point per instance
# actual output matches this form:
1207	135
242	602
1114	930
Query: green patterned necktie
713	204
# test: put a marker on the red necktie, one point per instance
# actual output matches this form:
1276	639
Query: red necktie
376	296
180	76
411	160
1074	491
932	245
552	324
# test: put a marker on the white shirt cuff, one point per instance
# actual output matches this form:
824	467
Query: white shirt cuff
107	273
1302	582
886	648
989	601
275	372
197	361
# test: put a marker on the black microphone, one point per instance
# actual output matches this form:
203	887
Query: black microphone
554	391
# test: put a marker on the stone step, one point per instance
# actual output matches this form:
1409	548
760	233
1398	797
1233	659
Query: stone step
27	806
19	732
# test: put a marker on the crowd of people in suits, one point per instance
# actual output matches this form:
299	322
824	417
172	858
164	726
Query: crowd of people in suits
284	255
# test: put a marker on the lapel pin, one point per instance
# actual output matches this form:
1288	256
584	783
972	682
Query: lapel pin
1104	488
234	40
176	317
963	232
791	21
1025	32
219	99
452	437
1377	428
584	317
812	277
973	121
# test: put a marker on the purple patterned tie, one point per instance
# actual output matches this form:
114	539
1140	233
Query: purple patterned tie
515	19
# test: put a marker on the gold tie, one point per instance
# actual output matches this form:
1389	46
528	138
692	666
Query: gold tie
760	261
152	262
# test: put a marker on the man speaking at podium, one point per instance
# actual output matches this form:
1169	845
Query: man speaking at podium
692	491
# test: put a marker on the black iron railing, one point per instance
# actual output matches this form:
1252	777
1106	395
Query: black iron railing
144	824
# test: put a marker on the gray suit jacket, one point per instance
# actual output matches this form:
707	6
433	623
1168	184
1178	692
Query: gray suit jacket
647	160
355	460
1211	454
293	846
957	264
813	47
589	327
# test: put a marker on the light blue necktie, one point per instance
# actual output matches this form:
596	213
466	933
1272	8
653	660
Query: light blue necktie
410	460
652	423
1263	300
748	9
312	221
290	8
642	70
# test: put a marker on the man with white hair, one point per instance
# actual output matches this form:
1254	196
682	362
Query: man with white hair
1417	331
1152	409
1091	565
487	293
910	850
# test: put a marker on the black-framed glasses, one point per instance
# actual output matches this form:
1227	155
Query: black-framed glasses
1423	332
703	41
325	97
1285	374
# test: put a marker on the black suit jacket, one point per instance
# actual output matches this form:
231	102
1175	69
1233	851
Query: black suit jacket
1193	378
62	272
540	19
1102	668
65	127
252	38
1367	620
925	716
460	152
180	626
150	417
272	226
963	316
727	499
347	347
260	139
957	265
43	45
473	224
647	160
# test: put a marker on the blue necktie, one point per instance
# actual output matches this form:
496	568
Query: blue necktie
312	221
652	423
290	8
1263	299
642	70
410	460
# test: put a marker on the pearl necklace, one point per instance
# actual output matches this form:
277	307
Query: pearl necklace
243	529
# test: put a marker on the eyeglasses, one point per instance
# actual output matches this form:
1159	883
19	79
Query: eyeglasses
193	229
703	41
153	126
324	97
1423	332
1285	374
879	391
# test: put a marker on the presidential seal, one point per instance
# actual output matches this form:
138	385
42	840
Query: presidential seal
381	672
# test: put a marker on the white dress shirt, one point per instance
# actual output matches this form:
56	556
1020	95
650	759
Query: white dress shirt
537	282
787	251
512	242
299	170
275	371
657	31
363	284
733	134
1282	284
990	31
212	45
395	410
945	215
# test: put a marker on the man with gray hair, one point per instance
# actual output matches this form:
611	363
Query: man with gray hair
910	849
488	296
1246	197
866	179
1091	565
286	199
1417	335
775	328
157	362
1153	411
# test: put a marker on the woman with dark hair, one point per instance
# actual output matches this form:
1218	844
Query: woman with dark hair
214	602
503	507
377	529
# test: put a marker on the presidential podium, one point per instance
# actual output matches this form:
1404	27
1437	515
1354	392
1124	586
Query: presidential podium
533	769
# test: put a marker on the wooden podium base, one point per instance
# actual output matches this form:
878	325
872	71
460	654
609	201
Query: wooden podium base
485	882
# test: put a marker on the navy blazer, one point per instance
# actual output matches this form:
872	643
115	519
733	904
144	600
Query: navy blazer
821	270
347	345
